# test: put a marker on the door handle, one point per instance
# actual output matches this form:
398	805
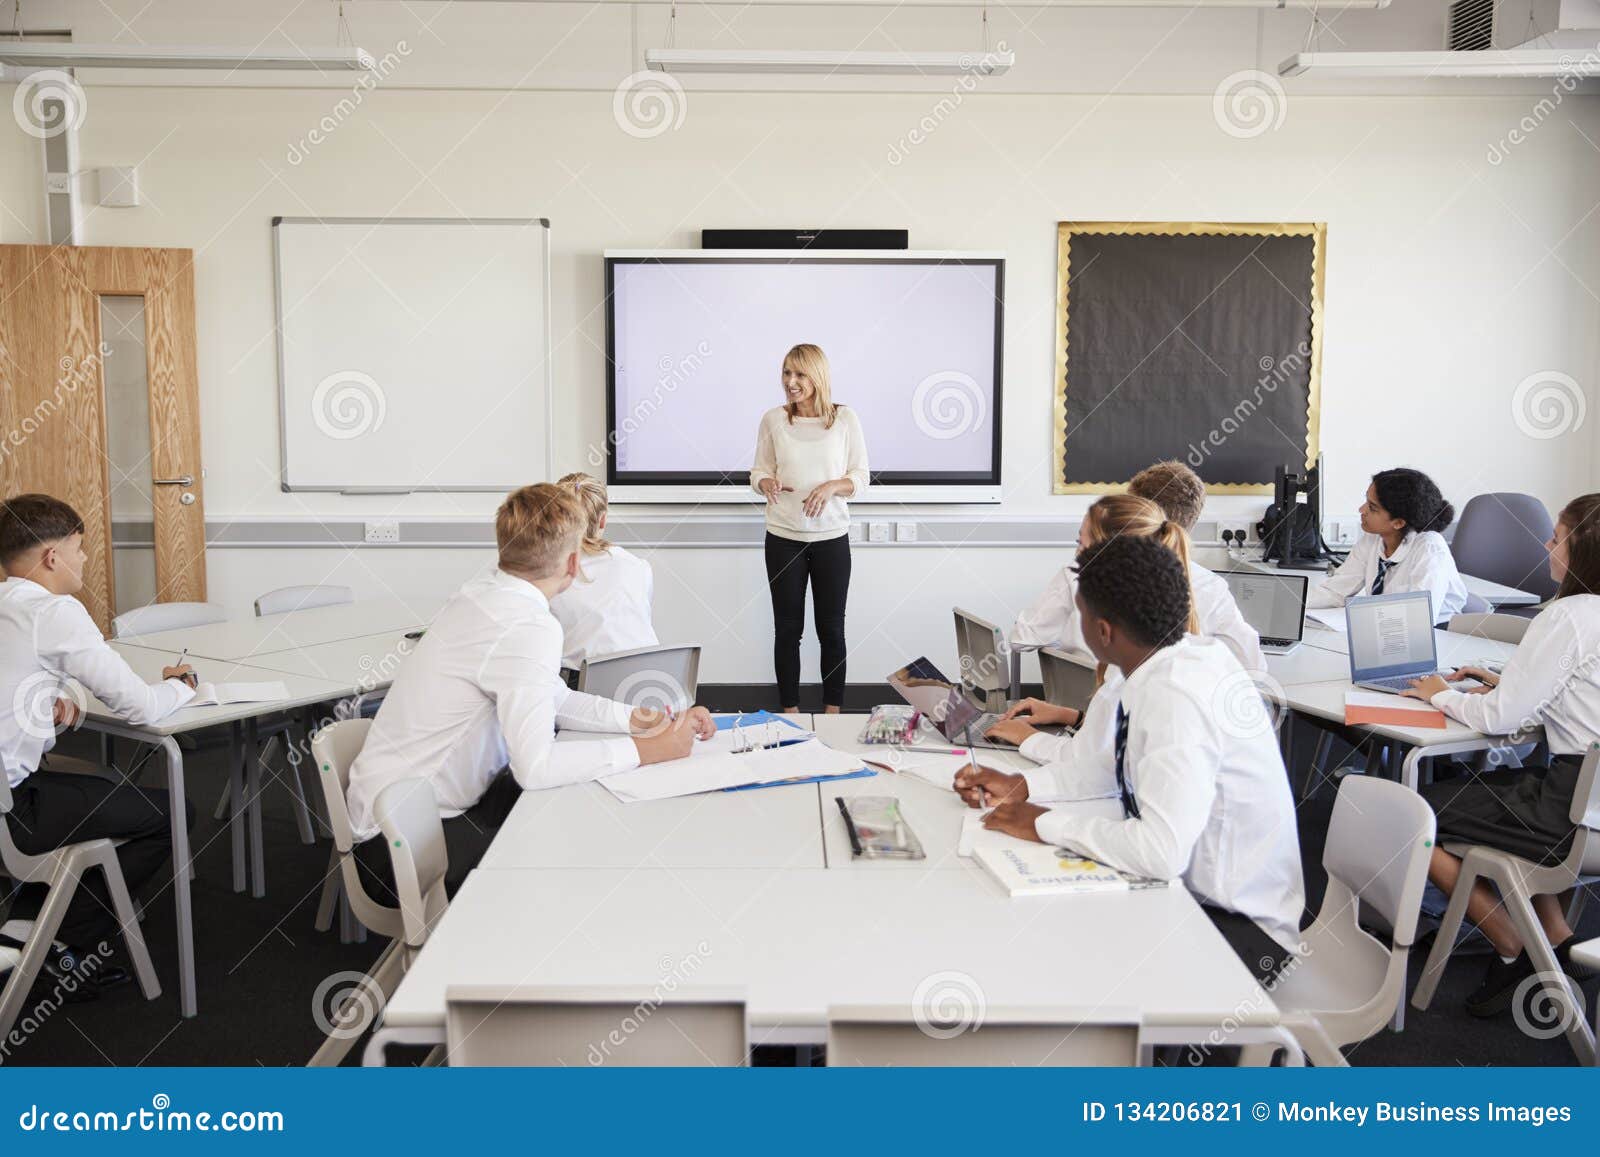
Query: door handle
184	480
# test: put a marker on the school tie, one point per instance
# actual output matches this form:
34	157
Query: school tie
1130	806
1384	566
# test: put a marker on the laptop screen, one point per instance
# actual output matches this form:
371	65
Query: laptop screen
1274	605
1390	634
941	702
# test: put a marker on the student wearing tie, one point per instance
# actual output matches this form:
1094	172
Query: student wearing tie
1205	799
1400	548
607	608
1553	682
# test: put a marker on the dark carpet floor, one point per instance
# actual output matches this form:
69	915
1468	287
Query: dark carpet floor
260	964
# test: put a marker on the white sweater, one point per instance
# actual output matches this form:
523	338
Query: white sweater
802	455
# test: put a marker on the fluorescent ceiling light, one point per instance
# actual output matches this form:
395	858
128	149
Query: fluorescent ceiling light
56	54
825	62
1552	62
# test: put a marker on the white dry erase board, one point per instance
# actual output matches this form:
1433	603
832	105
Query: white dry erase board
413	353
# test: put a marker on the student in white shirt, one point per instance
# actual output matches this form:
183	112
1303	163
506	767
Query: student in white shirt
1205	798
810	457
1181	495
1118	516
1400	548
475	708
607	609
1553	682
46	639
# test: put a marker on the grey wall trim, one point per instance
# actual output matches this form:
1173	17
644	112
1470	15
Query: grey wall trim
654	532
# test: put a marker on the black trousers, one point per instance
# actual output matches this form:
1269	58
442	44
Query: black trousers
1261	954
826	565
54	808
466	838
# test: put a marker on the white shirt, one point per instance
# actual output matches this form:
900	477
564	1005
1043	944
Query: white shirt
1552	680
1213	798
607	609
482	689
45	640
1053	619
1422	562
803	454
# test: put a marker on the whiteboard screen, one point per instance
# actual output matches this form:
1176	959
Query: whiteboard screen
697	345
413	354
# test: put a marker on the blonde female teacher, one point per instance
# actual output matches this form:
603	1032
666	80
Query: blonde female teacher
810	457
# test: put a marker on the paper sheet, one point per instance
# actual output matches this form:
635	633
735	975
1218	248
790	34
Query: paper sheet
1330	617
218	694
711	770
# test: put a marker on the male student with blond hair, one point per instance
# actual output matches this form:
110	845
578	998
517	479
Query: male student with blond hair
475	708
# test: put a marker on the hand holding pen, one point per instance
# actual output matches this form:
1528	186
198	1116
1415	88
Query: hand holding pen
181	671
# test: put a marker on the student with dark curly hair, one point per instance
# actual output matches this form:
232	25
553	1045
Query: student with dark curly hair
1553	682
1401	547
1178	733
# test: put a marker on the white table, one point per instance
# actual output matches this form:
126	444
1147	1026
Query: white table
147	664
361	664
799	941
1493	593
248	639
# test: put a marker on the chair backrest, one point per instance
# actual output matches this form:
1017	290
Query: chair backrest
286	599
1380	841
335	748
889	1035
1500	628
1066	684
647	677
148	620
408	814
1586	814
1501	537
626	1028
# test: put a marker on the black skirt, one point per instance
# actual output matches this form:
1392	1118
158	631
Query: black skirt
1527	813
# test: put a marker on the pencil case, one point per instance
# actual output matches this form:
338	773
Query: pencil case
878	829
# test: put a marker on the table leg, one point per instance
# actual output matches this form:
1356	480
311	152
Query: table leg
236	757
258	858
182	874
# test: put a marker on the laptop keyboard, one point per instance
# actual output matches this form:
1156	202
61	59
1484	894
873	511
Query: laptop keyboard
1394	682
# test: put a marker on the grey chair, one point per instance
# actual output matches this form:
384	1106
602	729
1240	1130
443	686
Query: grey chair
1588	955
594	1027
157	617
1500	628
303	598
63	870
1501	537
1518	881
644	677
1347	984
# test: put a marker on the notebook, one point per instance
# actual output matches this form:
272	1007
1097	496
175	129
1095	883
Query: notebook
222	694
1377	707
1028	869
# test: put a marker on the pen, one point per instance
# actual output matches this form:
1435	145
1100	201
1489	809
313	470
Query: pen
849	825
190	678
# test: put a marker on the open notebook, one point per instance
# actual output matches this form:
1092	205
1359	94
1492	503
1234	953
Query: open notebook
222	694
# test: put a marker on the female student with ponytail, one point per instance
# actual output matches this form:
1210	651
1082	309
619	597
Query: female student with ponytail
1553	681
1400	548
1114	516
607	608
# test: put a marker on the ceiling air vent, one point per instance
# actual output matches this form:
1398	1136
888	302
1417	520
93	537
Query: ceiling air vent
1470	26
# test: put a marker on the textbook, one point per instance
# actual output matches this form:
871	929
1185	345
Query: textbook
1023	868
221	694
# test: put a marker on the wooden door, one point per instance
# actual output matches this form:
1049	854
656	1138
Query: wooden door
53	411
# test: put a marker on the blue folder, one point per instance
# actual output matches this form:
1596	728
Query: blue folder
756	719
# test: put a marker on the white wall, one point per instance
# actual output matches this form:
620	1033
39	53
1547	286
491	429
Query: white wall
1450	279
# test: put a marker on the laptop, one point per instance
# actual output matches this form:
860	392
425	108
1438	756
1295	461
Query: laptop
946	705
1273	604
1391	640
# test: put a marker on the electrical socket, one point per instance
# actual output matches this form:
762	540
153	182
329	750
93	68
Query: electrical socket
877	532
383	530
1241	531
905	532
